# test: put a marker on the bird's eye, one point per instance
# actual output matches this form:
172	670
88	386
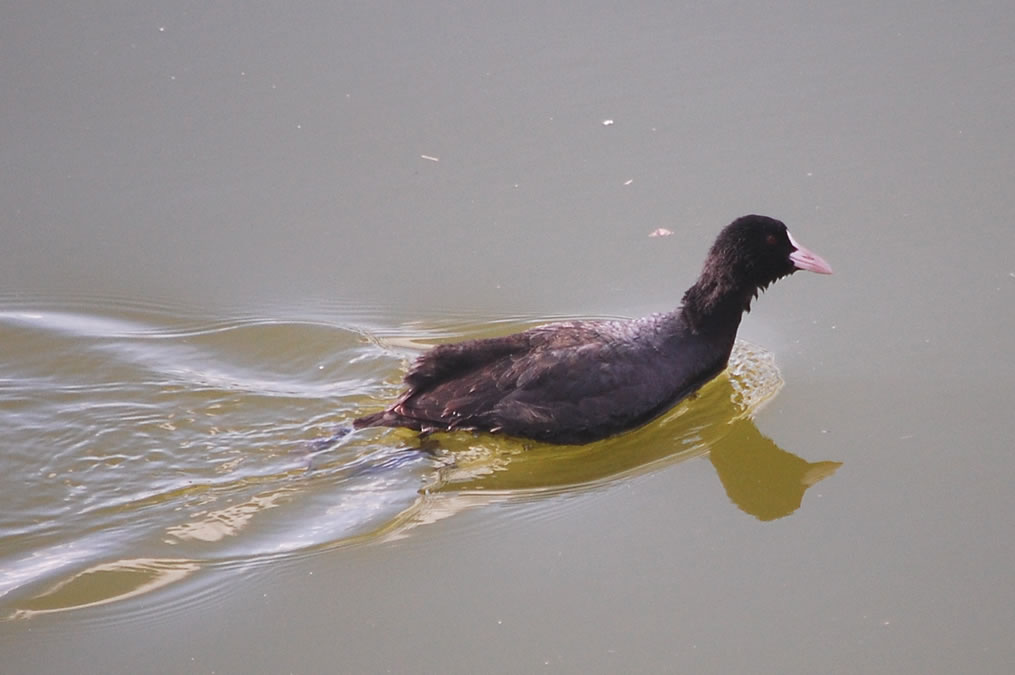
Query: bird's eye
770	240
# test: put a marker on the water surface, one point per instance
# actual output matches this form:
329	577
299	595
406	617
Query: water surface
226	229
148	445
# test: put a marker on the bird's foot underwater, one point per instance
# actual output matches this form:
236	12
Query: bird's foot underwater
321	444
310	450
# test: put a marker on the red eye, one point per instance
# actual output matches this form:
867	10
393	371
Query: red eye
771	239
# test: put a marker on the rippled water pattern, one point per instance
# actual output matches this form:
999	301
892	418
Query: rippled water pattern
144	444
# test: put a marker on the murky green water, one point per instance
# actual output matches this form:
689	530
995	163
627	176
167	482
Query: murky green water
148	444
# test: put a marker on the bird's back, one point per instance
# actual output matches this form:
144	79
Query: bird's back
565	383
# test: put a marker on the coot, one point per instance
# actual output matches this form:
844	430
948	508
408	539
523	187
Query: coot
580	381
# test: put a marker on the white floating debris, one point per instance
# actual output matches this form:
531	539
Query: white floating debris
661	232
628	181
607	123
432	159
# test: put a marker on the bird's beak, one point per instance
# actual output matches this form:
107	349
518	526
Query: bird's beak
804	259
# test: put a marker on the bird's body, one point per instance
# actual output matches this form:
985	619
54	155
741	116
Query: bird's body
581	381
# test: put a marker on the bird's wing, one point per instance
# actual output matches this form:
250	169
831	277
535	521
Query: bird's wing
445	363
597	389
457	382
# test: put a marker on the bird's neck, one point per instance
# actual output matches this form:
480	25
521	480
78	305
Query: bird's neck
715	305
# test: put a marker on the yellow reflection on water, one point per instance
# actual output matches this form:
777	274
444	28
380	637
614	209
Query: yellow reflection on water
761	478
218	524
107	582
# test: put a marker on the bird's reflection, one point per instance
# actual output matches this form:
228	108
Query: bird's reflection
760	477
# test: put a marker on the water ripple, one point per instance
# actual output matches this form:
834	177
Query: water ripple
146	443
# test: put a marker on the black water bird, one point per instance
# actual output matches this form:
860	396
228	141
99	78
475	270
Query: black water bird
580	381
